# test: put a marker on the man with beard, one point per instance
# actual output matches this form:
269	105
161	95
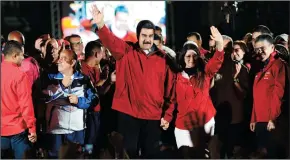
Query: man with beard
268	91
144	87
120	26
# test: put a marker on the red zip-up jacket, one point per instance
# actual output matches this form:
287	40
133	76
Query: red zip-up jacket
94	75
17	113
194	105
268	91
144	83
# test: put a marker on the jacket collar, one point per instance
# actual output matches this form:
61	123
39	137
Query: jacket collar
76	75
153	50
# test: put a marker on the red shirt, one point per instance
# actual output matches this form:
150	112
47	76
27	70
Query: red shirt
203	52
268	91
144	82
17	113
194	105
94	74
31	68
131	37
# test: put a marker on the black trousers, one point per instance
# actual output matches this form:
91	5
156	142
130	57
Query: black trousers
139	133
265	139
231	135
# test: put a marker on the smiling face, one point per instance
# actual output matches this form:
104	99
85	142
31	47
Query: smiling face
238	53
263	49
66	61
190	58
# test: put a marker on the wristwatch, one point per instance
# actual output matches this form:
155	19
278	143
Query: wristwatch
236	80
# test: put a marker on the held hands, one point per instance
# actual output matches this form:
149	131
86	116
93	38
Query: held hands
164	124
98	16
217	37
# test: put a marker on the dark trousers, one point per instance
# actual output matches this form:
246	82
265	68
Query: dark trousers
232	135
93	128
19	143
139	133
265	139
54	141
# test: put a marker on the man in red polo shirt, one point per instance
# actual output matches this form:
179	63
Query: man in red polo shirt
17	114
268	91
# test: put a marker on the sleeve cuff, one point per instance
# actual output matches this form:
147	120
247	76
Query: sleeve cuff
32	130
167	117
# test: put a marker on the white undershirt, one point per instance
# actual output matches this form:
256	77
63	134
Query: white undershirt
118	33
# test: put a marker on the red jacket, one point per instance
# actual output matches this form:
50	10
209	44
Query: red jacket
268	91
144	83
203	51
94	74
17	113
194	105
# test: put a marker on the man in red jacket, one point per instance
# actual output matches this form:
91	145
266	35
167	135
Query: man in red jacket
17	114
144	86
268	91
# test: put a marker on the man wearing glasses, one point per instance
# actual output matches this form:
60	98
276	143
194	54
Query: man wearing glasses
77	45
268	91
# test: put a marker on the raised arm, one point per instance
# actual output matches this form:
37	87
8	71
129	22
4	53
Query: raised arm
215	63
117	46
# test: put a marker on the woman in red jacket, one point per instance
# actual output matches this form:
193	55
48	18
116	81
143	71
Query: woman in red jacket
195	108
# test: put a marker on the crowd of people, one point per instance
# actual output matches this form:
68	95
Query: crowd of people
119	99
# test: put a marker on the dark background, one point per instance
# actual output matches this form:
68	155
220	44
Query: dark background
34	19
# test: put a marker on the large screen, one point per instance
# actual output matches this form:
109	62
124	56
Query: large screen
121	17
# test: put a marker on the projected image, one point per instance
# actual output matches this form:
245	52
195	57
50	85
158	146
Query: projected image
121	17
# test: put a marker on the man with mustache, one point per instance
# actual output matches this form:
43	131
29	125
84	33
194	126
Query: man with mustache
144	87
268	91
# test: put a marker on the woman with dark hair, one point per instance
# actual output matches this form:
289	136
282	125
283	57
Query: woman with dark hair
195	109
228	96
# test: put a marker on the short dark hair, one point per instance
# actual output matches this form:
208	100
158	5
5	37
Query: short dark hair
144	24
90	47
157	37
12	47
73	36
157	28
196	34
262	29
265	37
